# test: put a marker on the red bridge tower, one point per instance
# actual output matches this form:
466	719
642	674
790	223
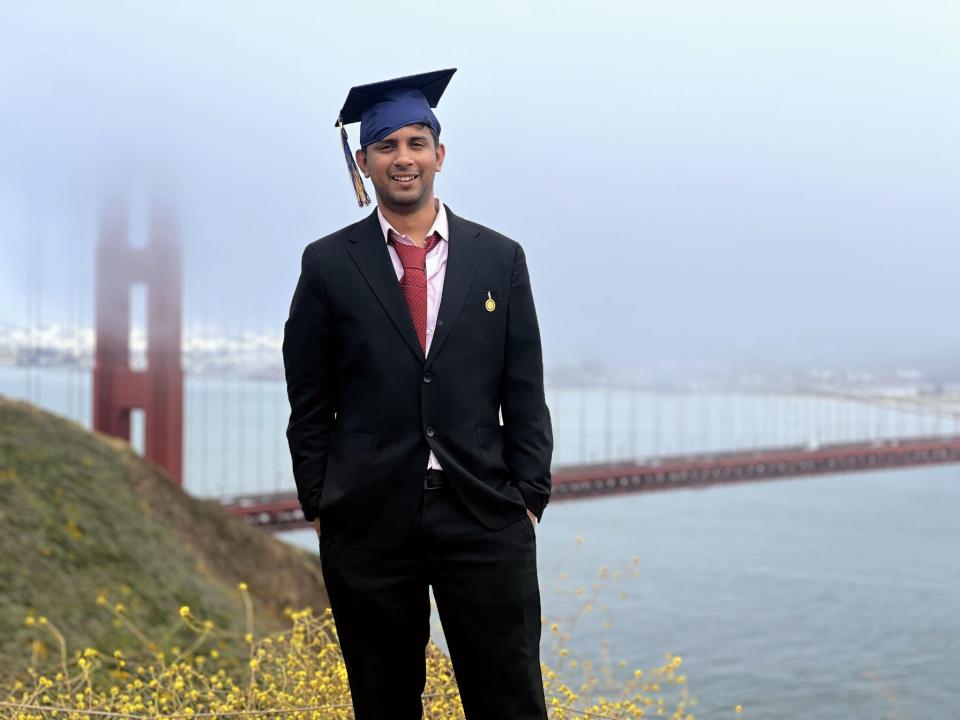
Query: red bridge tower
157	390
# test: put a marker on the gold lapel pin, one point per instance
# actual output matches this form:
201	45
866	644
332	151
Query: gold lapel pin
490	304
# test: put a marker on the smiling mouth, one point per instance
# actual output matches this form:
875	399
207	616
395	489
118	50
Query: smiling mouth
403	179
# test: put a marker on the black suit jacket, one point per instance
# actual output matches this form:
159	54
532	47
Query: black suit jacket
366	406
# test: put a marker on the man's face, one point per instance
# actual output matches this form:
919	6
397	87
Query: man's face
402	165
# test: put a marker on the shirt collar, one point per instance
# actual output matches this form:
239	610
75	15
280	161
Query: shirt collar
440	225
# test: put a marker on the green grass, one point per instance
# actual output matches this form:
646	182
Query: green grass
82	515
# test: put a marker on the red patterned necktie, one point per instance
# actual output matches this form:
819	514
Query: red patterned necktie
414	281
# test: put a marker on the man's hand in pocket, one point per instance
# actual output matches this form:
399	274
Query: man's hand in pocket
533	518
316	524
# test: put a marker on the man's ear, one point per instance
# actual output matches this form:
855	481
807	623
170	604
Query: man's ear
362	161
441	154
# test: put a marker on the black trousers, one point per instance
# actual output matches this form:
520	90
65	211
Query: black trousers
485	585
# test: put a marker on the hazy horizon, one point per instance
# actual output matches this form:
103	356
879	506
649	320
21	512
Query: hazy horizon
753	184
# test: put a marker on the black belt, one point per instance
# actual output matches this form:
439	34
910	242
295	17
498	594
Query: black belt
434	479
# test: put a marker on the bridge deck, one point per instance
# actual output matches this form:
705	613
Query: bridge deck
281	511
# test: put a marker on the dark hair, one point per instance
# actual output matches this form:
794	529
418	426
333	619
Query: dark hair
433	133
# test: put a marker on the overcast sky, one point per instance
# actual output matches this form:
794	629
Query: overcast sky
692	181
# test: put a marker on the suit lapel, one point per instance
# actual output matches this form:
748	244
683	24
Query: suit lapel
463	256
369	251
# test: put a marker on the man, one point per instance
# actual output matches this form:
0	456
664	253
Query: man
409	332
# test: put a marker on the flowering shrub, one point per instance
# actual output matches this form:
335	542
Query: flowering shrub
298	674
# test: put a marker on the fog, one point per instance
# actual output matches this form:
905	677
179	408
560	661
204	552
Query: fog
694	183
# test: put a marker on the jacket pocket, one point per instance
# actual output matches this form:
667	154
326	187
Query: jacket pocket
348	463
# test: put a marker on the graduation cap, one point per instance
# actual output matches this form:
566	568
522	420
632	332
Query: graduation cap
386	106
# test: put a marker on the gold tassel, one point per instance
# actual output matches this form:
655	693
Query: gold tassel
358	187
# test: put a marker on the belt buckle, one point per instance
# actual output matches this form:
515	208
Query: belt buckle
436	476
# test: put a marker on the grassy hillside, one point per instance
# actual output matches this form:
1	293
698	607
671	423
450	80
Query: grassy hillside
81	515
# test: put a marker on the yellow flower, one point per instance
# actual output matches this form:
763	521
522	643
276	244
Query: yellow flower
738	709
304	666
242	585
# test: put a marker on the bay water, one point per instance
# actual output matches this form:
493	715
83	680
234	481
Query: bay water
833	596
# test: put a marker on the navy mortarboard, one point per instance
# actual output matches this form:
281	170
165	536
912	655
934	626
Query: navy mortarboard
383	107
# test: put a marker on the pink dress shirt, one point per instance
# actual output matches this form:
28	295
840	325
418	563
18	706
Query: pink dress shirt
435	271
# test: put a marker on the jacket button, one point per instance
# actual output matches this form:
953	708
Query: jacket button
428	377
430	432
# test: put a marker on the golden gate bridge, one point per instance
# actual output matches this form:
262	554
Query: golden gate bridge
675	438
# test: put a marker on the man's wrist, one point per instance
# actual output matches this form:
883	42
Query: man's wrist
534	500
